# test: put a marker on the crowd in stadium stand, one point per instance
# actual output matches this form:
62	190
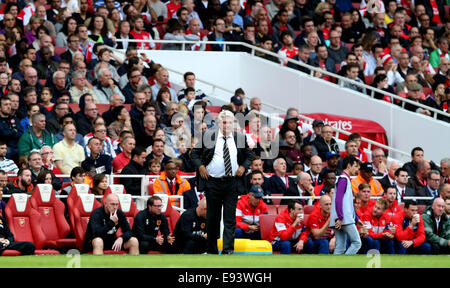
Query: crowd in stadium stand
56	58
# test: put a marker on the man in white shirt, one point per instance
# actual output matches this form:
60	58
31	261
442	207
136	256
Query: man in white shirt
6	165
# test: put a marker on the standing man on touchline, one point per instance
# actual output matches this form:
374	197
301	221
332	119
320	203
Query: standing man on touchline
221	158
343	213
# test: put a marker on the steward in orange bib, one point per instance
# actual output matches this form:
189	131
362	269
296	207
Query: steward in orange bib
170	183
365	175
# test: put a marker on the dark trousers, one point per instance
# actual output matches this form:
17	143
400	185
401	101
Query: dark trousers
24	247
194	247
147	246
221	193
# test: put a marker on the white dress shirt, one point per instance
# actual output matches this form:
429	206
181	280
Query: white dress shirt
216	168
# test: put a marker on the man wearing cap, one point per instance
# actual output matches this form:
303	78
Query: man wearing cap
414	94
333	161
248	210
238	104
317	128
365	176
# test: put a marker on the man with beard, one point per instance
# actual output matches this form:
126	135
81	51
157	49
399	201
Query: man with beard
21	185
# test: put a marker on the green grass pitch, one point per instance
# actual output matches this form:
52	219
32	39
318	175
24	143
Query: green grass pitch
226	261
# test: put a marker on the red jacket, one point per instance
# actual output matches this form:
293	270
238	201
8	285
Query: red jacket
403	232
363	209
247	215
283	230
377	226
392	210
316	221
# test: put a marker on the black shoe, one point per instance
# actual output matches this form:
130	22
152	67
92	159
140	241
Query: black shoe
227	252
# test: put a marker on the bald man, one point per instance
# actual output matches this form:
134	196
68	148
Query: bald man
322	239
190	231
103	225
304	187
314	171
437	227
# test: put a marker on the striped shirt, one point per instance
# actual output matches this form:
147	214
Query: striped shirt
8	165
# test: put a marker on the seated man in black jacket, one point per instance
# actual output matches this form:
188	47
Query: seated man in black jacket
151	228
135	167
103	225
190	230
7	240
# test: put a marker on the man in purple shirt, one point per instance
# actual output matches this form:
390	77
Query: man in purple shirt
343	215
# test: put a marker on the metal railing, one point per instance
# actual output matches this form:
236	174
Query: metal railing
312	69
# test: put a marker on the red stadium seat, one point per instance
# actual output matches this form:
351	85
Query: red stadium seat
60	50
76	190
171	214
113	188
150	189
53	222
126	203
308	209
276	201
25	223
214	109
266	222
272	209
427	91
83	207
369	79
280	208
421	208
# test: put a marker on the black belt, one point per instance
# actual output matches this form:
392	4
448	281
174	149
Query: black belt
223	178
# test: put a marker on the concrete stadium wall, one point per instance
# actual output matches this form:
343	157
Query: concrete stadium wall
286	88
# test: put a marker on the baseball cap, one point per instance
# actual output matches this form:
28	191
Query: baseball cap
317	122
236	100
331	154
366	166
415	87
257	191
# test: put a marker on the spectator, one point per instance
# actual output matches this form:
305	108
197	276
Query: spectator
418	180
190	231
352	74
68	154
36	137
122	122
430	189
365	176
379	162
96	160
288	49
315	169
53	124
123	159
288	231
336	51
6	165
36	166
249	209
325	142
401	181
437	227
279	183
20	185
322	239
281	24
158	152
85	118
65	120
170	183
342	216
381	233
103	223
410	231
145	138
151	228
323	61
189	81
293	152
135	167
389	178
329	179
106	87
303	188
218	34
79	86
106	146
99	185
445	169
162	80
